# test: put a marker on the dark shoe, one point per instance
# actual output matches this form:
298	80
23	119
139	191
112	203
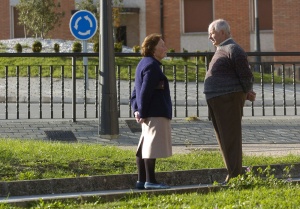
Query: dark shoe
149	185
140	185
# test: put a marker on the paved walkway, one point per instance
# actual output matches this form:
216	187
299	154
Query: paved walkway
261	135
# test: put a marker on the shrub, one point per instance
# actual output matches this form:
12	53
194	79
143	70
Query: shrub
202	58
118	47
18	48
197	58
136	48
37	46
185	58
260	177
171	51
56	47
96	47
77	47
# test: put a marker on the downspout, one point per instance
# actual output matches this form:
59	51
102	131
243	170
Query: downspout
162	18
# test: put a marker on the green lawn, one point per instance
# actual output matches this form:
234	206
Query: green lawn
33	159
185	70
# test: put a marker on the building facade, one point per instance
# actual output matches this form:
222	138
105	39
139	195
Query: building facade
184	23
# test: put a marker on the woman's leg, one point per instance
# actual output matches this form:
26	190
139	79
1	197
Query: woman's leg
146	167
151	182
140	163
150	170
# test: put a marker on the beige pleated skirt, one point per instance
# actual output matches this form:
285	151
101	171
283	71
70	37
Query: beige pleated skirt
156	138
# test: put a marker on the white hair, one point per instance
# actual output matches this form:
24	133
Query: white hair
219	25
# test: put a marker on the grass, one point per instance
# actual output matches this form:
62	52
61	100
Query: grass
33	159
262	197
257	198
185	70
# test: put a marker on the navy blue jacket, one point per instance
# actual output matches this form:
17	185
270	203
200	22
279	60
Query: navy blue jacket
151	94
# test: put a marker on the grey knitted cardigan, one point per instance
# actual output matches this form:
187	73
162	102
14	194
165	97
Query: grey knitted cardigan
228	71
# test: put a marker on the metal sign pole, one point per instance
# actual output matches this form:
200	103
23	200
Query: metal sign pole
85	64
257	37
83	26
108	118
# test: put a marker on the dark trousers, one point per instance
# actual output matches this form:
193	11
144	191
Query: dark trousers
226	113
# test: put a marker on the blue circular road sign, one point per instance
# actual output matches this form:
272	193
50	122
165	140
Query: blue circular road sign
83	25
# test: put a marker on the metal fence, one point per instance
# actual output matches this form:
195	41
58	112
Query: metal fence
60	91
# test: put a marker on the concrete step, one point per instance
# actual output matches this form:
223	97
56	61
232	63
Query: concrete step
111	195
113	187
106	195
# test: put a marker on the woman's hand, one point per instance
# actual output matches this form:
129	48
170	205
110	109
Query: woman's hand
137	117
251	95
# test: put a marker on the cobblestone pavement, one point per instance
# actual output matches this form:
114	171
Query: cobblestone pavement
277	135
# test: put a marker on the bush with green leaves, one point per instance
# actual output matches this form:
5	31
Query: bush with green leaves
202	58
37	46
18	48
198	58
185	58
56	47
77	47
118	47
260	177
136	48
171	50
96	47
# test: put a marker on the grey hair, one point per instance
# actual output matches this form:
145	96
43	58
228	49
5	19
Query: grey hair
219	25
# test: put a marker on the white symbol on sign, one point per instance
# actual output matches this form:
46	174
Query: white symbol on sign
88	32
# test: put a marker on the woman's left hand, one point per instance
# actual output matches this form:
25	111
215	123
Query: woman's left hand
137	117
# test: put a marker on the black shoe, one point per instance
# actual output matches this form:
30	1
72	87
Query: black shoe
140	185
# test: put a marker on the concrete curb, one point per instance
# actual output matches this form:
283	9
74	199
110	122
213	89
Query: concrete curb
112	187
105	183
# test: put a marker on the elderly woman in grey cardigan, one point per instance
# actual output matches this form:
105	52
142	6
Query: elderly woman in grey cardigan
152	107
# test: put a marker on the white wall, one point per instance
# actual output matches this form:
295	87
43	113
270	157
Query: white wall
14	2
200	41
266	41
196	42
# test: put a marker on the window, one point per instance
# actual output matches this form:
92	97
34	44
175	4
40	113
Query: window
121	35
198	14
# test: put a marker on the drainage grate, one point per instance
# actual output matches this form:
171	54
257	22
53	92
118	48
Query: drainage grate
134	126
65	136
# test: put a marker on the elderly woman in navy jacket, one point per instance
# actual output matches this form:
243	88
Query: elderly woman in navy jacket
151	103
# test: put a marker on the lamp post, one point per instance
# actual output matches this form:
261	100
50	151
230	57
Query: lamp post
257	38
108	113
